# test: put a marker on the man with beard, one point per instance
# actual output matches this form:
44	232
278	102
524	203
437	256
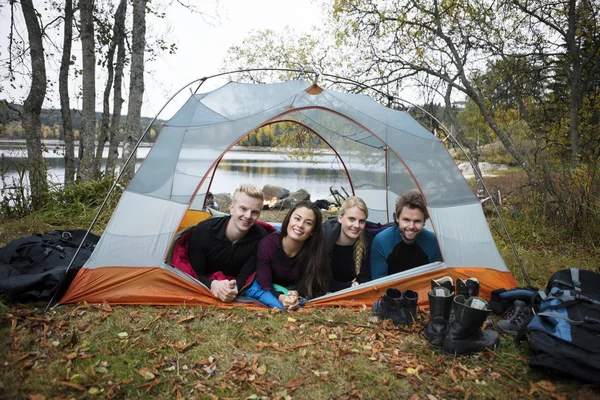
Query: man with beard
222	250
405	245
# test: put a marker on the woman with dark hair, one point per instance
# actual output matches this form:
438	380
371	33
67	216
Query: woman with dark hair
348	245
295	258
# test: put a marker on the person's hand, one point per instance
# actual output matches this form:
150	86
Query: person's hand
224	290
354	284
290	301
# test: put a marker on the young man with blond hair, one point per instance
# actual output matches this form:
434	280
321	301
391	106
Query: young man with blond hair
405	245
222	250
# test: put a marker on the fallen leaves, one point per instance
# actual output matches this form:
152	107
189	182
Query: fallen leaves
546	388
73	385
294	384
254	355
278	347
147	374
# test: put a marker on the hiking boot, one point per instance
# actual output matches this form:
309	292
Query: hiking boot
467	288
445	281
440	302
465	335
390	306
411	298
519	319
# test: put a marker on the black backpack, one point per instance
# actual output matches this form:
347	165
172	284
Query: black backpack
32	267
565	333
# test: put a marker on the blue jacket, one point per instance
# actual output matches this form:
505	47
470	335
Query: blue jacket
389	254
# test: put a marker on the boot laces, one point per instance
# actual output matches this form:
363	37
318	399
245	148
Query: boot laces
520	316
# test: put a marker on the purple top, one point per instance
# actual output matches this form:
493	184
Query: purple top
274	266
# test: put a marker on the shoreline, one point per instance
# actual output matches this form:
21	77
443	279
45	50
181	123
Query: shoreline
17	144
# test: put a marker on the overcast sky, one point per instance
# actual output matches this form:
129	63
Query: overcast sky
202	43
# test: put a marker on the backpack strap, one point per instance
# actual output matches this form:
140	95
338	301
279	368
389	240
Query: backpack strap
575	279
560	316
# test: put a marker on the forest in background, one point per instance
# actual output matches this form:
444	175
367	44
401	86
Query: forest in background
11	126
524	76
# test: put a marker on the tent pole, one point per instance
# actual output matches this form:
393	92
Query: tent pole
387	185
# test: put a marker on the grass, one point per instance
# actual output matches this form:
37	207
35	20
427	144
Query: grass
195	352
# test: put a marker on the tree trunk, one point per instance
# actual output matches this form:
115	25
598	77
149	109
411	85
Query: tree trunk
474	148
105	122
136	86
115	124
63	89
576	81
87	136
32	107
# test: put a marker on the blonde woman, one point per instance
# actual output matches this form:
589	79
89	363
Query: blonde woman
348	245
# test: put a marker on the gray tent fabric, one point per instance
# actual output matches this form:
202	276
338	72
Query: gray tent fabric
382	151
367	137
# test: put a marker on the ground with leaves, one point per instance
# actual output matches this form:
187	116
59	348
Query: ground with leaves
104	351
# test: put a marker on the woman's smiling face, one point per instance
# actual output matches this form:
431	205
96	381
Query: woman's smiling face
301	224
353	222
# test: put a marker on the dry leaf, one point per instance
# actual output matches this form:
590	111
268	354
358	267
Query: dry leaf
146	374
37	397
186	319
547	386
294	384
72	385
94	391
261	370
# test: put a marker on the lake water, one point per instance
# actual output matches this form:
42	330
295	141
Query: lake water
238	166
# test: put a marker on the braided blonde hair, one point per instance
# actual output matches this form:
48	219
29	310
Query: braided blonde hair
359	245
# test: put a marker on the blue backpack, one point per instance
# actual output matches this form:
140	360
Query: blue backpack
565	333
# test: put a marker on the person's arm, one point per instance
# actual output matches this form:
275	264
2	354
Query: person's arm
379	267
334	285
197	254
264	271
433	249
247	269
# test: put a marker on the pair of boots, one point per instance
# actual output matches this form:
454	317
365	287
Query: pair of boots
460	333
400	307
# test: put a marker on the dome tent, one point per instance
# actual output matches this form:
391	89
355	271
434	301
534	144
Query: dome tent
383	152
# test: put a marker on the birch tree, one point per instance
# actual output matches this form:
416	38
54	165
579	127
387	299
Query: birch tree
115	124
136	86
33	106
87	136
116	43
63	89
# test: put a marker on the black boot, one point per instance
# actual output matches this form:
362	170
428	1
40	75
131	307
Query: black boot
445	281
440	302
467	288
411	298
465	335
390	306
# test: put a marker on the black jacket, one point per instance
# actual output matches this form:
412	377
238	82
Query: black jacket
210	251
331	232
